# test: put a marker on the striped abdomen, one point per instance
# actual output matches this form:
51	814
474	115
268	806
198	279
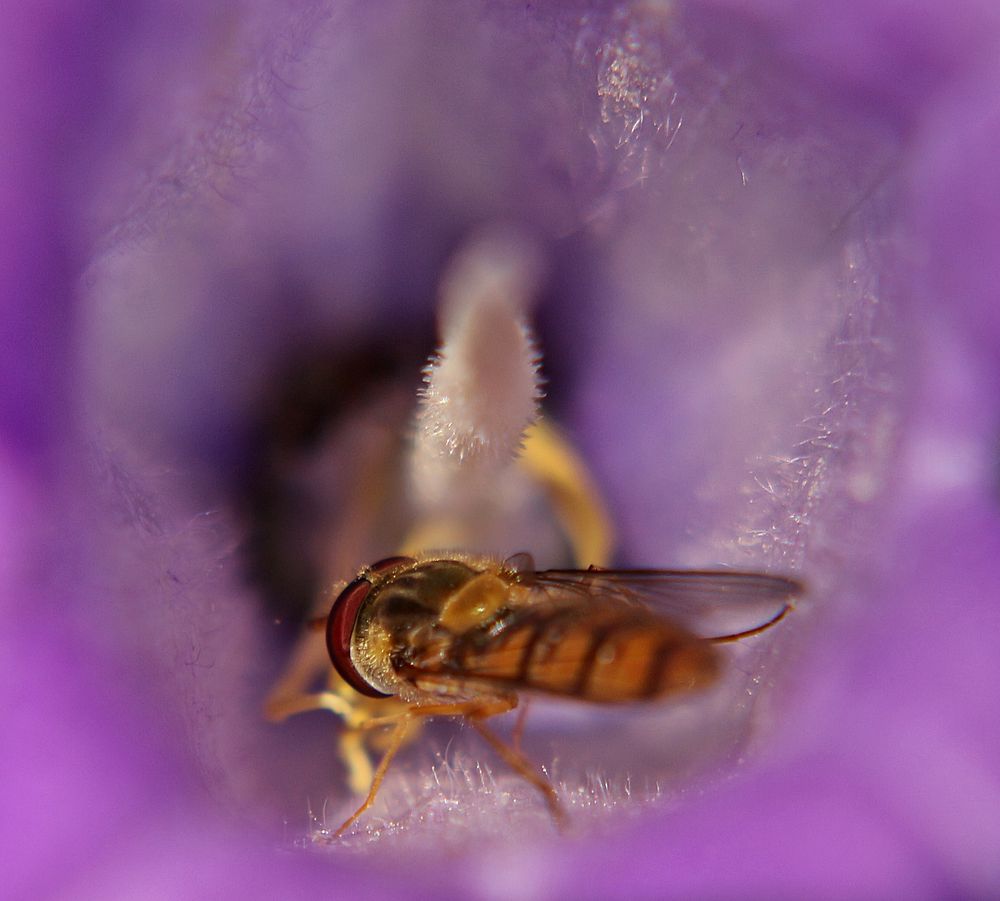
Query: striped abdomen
603	653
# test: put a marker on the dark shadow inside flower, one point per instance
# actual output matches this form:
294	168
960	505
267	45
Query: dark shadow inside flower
723	353
320	397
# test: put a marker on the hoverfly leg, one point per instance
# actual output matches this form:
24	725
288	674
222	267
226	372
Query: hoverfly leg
399	734
351	742
403	725
522	766
379	722
355	757
477	711
549	457
518	732
278	709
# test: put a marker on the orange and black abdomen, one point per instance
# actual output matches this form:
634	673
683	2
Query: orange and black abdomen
595	652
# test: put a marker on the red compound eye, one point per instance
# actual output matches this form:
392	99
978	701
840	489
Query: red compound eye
389	563
340	628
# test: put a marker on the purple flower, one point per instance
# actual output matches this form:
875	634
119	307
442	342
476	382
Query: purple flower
771	325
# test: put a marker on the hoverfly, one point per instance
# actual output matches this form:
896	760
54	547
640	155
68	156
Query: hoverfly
463	636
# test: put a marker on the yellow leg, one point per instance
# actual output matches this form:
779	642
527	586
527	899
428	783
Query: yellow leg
518	733
522	766
355	756
351	742
280	709
560	471
356	712
475	712
399	733
550	459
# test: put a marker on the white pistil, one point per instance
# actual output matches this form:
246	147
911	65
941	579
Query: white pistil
483	386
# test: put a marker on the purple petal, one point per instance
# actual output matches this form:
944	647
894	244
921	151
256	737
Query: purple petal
773	328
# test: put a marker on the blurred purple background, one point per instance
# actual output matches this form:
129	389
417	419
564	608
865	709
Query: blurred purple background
772	327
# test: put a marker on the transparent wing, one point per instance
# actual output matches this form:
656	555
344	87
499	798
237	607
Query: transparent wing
715	604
